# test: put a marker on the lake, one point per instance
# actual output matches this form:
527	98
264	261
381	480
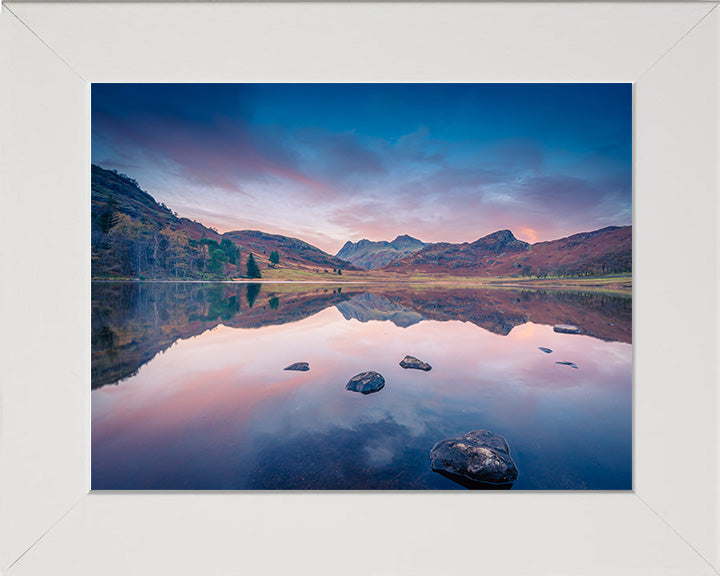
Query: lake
189	391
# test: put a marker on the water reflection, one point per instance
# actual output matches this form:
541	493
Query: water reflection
216	410
132	322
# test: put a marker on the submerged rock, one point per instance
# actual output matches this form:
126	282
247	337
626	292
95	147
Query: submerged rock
366	383
480	456
566	329
546	350
571	364
417	364
299	366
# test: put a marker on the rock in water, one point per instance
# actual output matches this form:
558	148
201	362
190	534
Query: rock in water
366	383
299	366
479	456
566	329
546	350
412	362
571	364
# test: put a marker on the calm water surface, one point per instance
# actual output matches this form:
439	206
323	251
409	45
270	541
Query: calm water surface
189	390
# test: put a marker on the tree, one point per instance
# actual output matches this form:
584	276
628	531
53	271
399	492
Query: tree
174	252
253	271
274	258
131	245
108	217
339	272
218	258
230	249
252	293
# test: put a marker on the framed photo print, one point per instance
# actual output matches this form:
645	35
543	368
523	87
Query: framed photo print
280	277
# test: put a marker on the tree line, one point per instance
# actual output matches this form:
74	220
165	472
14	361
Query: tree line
127	247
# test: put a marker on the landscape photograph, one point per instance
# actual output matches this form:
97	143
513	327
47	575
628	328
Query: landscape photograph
361	287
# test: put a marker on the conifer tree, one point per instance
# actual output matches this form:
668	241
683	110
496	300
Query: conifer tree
253	270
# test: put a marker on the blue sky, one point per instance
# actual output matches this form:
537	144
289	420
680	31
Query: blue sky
334	162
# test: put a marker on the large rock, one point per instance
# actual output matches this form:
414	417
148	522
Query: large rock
299	366
480	456
566	329
366	383
546	350
412	362
571	364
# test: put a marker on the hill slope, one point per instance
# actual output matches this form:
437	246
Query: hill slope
133	236
293	253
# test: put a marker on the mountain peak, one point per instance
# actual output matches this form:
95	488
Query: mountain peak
505	235
402	237
407	243
500	241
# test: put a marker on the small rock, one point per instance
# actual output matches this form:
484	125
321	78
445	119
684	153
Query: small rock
366	383
571	364
412	362
566	329
479	456
299	366
546	350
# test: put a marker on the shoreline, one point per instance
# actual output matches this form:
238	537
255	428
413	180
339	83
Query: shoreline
616	285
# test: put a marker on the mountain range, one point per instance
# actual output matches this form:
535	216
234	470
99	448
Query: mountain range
133	235
603	251
368	254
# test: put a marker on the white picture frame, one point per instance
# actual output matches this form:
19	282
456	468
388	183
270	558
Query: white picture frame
51	524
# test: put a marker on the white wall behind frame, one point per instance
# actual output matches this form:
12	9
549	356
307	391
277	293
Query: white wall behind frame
44	288
677	320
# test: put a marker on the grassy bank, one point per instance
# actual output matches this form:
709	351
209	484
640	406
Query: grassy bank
613	283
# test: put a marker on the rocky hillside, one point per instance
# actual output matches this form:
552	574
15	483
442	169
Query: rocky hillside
604	251
368	255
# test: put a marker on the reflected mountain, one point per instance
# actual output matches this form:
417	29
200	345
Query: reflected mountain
368	307
603	316
132	322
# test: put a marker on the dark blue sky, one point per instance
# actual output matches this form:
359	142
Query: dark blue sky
334	162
